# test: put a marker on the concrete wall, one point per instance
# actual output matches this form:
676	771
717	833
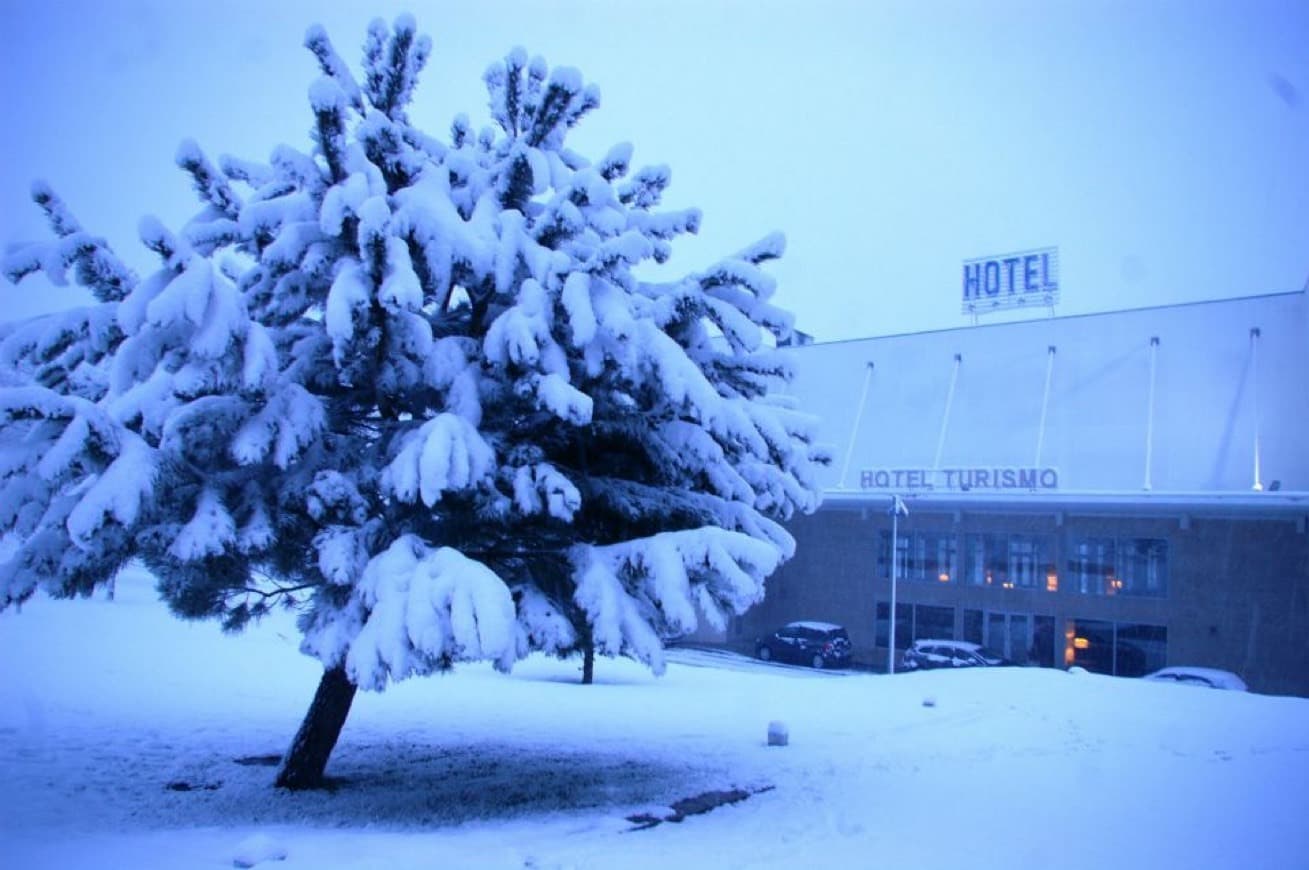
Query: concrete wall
1237	599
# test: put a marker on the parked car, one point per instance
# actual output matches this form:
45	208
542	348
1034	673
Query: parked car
928	653
816	644
1211	678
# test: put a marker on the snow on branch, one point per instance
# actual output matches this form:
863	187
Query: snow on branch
317	41
540	487
616	162
291	419
445	454
210	532
64	351
392	62
621	623
209	183
98	268
256	175
542	624
770	247
638	590
423	609
646	188
117	493
329	103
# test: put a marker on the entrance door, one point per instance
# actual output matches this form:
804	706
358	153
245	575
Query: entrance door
1009	634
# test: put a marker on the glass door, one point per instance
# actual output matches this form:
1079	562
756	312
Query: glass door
1009	634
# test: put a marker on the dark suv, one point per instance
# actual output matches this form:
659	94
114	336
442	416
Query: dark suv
817	644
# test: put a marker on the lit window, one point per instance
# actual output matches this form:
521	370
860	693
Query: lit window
1005	560
927	556
1119	566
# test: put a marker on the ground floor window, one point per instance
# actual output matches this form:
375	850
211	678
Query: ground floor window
914	621
1121	649
1124	649
1023	638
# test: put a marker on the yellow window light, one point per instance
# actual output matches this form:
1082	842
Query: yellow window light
1081	643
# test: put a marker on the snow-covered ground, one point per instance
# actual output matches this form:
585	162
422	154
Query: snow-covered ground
123	734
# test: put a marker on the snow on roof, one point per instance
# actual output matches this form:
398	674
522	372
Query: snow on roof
956	644
1148	400
1219	678
816	626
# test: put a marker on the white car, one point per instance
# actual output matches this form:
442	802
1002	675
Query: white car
1208	677
927	653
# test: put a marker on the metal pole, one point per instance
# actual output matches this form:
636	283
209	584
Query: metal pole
1254	390
945	418
854	430
1149	413
1045	405
897	508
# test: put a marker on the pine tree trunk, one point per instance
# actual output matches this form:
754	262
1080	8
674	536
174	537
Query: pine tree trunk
306	760
588	664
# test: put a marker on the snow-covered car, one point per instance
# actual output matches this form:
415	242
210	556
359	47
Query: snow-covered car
1211	678
817	644
928	653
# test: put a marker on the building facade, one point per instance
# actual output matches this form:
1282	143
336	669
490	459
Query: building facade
1119	491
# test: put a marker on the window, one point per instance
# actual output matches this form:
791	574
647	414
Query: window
928	556
934	622
1023	638
1119	566
973	626
1009	561
1140	649
1043	638
1029	558
1122	649
904	620
915	621
1142	567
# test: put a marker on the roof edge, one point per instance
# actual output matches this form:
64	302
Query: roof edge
1292	503
1304	291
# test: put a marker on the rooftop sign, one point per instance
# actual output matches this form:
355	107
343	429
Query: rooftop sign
1011	281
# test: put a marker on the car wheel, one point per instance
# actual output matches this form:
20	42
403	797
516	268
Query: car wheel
818	662
764	653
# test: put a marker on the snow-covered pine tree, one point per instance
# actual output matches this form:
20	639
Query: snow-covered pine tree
415	388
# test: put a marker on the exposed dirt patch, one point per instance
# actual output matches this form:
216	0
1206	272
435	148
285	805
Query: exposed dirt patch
694	806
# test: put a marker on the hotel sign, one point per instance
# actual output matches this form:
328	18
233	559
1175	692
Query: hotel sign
1011	281
958	479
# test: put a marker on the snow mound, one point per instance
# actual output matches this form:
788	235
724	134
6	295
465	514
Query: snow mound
256	849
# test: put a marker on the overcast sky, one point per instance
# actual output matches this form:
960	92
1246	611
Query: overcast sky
1162	146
